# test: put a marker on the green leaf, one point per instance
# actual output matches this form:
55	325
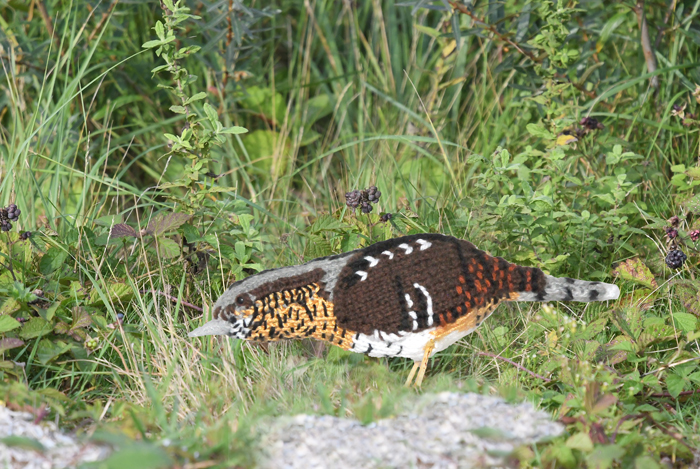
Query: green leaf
196	97
191	233
35	327
53	259
685	322
178	109
592	329
49	350
233	130
160	30
118	290
581	442
609	27
8	323
656	333
635	270
538	130
167	248
603	456
675	384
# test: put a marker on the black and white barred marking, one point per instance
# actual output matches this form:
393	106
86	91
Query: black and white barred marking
373	261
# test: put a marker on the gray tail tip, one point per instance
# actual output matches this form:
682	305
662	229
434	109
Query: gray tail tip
612	292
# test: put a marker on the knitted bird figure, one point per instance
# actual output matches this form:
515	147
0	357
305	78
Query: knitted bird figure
405	297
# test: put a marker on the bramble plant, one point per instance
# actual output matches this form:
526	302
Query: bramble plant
200	132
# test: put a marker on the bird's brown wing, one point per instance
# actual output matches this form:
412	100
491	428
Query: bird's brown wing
419	282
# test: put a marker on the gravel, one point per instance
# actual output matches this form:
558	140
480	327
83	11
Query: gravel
53	448
446	430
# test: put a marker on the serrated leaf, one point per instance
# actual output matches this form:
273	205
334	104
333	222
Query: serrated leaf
592	329
49	350
191	233
53	259
35	327
10	343
122	230
165	222
629	321
8	323
635	270
590	352
618	349
656	333
675	384
685	322
119	291
81	318
167	248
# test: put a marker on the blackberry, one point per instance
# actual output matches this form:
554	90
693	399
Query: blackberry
674	221
366	207
386	217
353	198
5	225
25	235
694	235
671	233
373	194
675	259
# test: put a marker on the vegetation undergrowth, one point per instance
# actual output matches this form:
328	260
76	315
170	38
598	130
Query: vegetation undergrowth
156	152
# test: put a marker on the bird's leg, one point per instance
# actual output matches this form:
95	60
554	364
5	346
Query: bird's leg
412	373
424	363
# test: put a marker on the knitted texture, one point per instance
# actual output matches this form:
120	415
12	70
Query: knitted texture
411	296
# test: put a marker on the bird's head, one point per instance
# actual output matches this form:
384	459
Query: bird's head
242	306
233	313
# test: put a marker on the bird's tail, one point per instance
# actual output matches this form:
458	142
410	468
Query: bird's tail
568	289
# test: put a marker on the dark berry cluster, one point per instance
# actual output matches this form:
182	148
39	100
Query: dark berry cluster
25	235
8	215
363	199
671	232
675	259
386	217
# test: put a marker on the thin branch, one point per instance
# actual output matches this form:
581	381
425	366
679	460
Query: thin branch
684	393
170	297
520	367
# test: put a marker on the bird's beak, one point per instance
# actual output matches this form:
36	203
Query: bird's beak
213	327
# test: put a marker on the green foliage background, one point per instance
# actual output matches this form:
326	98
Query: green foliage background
215	139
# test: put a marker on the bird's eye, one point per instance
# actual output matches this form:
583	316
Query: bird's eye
240	300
